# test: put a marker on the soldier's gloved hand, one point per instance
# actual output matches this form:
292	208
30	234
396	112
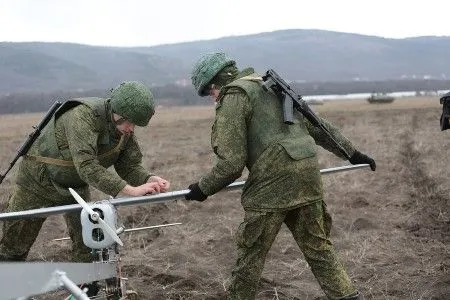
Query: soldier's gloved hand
361	158
195	193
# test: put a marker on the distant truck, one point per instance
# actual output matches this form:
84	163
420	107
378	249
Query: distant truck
380	98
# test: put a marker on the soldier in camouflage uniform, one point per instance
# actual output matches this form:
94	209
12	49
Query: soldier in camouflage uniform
284	183
83	139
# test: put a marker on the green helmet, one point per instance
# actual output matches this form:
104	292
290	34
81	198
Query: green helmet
133	101
206	68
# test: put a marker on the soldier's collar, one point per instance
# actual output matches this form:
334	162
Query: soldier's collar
245	72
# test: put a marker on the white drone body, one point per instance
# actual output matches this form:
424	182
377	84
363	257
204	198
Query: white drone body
99	226
94	236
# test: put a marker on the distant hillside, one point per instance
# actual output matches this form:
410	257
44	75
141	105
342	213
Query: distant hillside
317	55
56	66
303	55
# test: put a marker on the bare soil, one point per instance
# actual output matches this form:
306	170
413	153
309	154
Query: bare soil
391	227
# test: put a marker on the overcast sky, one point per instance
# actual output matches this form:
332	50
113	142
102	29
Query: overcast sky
153	22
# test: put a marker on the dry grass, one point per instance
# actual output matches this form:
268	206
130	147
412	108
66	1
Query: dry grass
391	227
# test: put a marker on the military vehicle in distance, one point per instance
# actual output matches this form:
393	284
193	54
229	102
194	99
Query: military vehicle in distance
380	98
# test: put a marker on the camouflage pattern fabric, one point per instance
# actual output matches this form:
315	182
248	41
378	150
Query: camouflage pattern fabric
225	76
310	226
134	101
248	131
85	137
19	235
322	140
207	68
284	183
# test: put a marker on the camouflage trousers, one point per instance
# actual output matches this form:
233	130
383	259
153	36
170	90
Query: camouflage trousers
310	226
19	235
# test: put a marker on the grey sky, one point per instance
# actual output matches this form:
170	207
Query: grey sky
149	22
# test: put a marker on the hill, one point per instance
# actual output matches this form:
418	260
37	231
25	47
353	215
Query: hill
300	55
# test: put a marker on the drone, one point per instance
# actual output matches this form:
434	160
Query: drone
101	233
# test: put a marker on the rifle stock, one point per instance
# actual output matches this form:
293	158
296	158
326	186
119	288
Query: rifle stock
32	137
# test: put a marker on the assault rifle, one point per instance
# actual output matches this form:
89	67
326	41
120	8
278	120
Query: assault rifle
445	117
32	137
293	100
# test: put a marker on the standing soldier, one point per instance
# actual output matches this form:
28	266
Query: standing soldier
284	184
83	139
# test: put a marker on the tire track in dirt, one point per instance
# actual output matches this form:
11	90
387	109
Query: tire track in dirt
426	199
428	224
408	258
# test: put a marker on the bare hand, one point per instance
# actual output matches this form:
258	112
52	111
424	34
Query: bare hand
164	184
144	189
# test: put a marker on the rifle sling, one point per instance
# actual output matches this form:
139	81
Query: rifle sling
50	160
69	163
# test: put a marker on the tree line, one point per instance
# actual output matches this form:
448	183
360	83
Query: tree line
175	95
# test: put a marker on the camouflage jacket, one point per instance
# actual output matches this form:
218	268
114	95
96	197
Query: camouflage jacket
83	136
249	131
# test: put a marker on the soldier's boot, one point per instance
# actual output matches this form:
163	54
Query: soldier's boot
355	296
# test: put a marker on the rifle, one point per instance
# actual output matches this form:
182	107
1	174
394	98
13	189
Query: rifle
273	81
32	137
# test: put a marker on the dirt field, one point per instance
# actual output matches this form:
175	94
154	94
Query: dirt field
391	227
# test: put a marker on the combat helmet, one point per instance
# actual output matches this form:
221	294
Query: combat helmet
133	101
206	68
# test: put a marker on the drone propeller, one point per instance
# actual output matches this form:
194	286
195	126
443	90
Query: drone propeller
95	216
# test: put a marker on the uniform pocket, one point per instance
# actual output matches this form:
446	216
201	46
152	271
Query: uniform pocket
251	229
298	149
